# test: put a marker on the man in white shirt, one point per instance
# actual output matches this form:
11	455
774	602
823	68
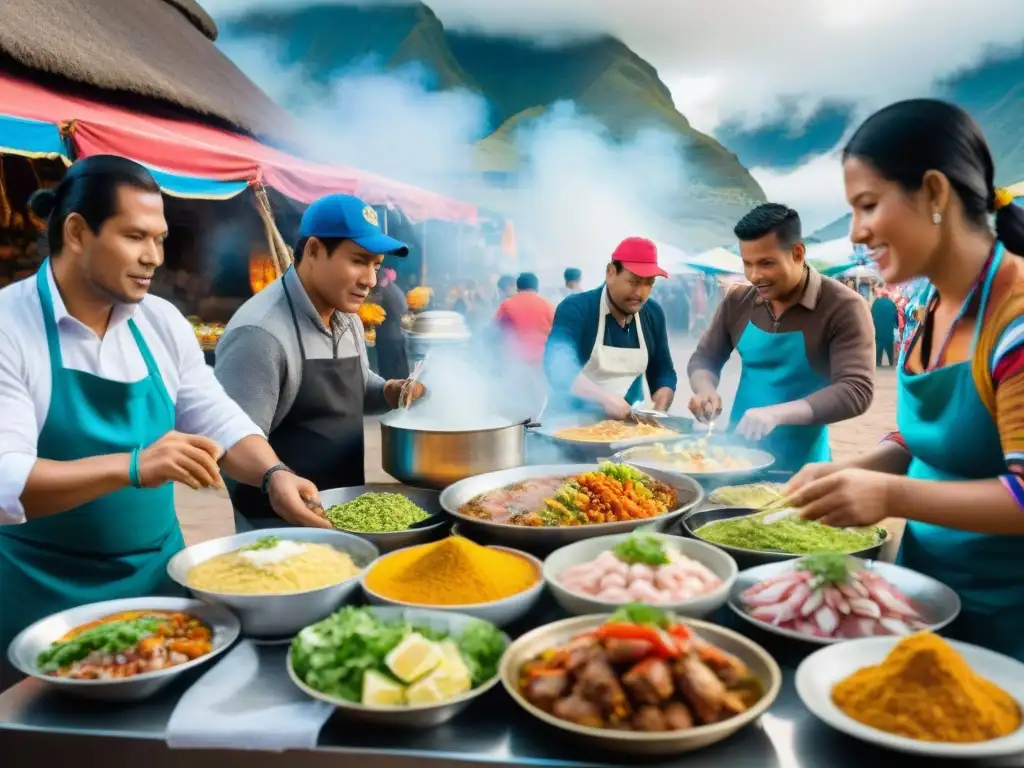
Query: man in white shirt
106	401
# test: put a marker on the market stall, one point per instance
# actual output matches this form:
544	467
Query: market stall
232	201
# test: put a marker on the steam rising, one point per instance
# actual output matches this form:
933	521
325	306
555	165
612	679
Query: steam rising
575	192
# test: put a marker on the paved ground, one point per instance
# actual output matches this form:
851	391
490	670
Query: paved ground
207	514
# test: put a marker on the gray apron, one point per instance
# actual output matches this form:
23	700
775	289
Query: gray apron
321	436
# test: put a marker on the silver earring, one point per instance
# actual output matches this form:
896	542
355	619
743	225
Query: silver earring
936	218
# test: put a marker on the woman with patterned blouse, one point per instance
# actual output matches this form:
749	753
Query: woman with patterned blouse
919	177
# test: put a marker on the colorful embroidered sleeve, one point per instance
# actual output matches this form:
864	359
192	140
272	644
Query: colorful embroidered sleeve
998	369
1008	381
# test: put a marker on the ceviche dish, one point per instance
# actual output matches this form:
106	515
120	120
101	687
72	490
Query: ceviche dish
273	566
611	493
833	596
691	456
125	645
611	431
643	670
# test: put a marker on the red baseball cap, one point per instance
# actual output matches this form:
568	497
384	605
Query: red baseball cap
640	256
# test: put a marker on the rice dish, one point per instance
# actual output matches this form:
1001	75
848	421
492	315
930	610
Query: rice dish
273	566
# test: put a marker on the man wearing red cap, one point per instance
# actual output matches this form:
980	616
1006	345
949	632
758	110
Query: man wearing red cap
605	341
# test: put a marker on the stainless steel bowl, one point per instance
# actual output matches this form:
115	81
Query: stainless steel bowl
748	558
646	457
436	526
454	497
761	664
276	616
26	647
436	458
422	716
501	612
440	324
939	604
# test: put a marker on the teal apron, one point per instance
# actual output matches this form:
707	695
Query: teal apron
775	371
952	436
116	546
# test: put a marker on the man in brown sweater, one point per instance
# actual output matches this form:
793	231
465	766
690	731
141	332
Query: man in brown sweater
805	340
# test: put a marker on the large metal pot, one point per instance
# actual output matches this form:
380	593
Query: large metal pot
436	458
434	330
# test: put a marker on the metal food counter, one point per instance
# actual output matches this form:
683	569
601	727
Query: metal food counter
37	725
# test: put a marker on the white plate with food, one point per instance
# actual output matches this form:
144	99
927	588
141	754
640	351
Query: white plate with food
123	650
677	574
277	580
920	694
832	598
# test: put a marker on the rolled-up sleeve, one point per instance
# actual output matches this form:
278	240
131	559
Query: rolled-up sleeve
661	371
203	407
851	354
19	432
562	363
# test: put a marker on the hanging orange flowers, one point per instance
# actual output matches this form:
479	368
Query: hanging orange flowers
419	298
371	315
262	271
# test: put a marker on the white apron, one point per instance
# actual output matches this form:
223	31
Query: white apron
614	369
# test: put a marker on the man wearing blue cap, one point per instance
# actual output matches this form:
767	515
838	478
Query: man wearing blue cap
294	357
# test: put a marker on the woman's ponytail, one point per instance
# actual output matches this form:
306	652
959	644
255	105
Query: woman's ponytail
1009	221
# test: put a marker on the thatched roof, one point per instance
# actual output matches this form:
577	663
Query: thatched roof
158	49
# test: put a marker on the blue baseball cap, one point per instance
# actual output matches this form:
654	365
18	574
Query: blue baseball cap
346	216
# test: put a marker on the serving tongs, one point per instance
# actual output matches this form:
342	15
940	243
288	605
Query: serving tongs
405	395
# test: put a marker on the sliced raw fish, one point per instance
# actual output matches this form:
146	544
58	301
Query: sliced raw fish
865	607
860	627
774	614
794	576
882	594
813	603
809	628
834	599
776	593
895	626
826	619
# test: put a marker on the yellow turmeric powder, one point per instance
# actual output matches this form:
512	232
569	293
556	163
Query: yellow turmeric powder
925	690
453	571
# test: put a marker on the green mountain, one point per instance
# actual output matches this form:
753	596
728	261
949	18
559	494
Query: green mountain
603	78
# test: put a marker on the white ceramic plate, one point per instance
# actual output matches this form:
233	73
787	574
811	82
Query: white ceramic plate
823	669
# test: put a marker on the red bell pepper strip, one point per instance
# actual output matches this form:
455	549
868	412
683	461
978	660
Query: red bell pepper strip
663	643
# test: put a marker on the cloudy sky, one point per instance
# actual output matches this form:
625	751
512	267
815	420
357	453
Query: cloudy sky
734	60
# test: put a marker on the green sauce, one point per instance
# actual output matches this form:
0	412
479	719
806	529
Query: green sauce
792	535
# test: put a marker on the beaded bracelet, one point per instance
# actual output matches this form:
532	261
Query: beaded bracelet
134	473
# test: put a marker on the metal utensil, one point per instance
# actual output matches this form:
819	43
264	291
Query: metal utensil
405	395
